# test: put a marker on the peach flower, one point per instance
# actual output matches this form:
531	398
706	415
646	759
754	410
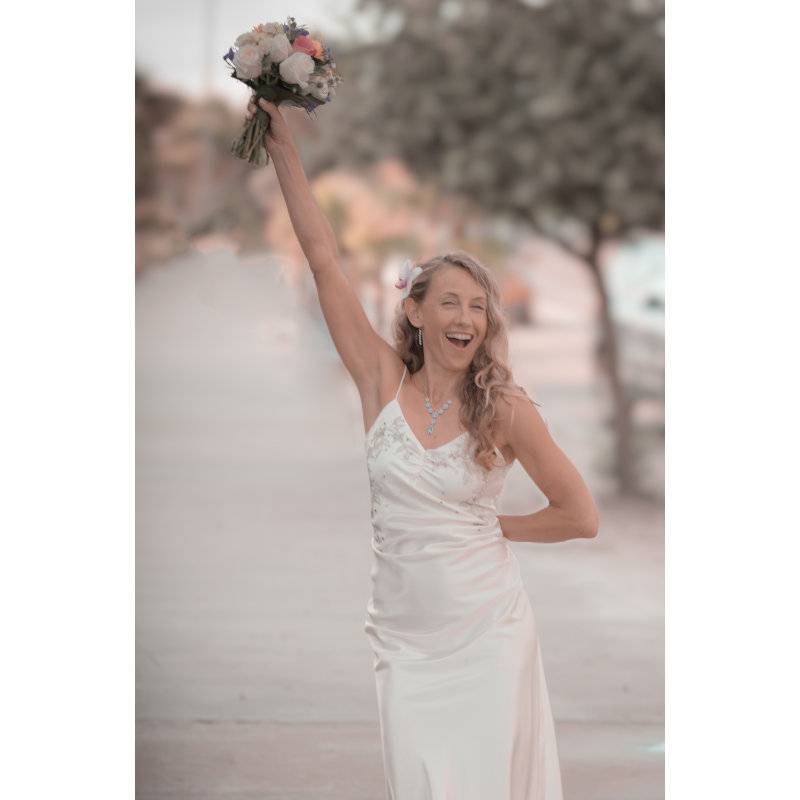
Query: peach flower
305	44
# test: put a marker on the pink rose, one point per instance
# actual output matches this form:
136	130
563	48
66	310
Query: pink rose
305	44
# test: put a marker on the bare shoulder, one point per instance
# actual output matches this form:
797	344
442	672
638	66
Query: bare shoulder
381	387
390	365
517	416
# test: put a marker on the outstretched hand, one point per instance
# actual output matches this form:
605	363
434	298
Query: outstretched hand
279	133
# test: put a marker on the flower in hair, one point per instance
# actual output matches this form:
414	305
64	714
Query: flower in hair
407	277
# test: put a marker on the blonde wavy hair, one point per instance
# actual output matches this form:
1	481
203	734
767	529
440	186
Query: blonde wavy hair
489	376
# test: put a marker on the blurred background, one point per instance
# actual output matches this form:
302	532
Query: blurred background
530	134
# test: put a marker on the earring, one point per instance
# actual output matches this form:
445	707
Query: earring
419	336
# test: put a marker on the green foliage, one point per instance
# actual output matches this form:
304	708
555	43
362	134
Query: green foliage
551	114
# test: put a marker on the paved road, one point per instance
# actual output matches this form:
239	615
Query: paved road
253	673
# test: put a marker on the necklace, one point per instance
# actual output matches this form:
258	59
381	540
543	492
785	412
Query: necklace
434	413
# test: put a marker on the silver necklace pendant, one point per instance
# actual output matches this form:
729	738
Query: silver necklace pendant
435	414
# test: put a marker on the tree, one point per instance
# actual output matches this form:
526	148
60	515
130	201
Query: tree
550	113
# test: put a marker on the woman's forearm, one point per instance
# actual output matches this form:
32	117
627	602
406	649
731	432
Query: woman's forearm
313	231
550	524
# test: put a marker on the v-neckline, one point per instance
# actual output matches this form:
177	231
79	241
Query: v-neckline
416	439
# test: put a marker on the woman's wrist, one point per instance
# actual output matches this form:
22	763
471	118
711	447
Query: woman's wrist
280	148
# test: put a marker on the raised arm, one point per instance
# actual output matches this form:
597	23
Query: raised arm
359	346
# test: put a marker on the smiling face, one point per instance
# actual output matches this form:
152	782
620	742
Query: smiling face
452	316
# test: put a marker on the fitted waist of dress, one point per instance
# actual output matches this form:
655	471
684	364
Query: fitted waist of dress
397	529
441	583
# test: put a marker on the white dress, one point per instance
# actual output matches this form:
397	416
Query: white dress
462	699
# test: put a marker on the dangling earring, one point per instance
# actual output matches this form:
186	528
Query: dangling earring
419	336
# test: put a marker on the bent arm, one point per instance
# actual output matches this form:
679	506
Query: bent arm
550	524
571	512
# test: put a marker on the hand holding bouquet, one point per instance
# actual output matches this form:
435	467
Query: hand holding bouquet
278	132
280	63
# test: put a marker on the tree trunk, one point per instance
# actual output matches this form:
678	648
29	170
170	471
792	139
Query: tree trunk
624	466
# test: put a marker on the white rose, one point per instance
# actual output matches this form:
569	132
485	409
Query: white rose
319	87
247	61
262	42
279	48
246	38
273	28
297	68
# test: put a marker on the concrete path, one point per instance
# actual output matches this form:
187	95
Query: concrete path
253	672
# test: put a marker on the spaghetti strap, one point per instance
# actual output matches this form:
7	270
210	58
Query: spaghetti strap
397	393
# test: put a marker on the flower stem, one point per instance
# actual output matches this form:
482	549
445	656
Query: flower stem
251	140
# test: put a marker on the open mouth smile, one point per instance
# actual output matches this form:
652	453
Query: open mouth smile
460	340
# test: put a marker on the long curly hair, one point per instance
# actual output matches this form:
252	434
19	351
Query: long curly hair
489	376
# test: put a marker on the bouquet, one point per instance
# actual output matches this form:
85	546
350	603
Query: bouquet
280	63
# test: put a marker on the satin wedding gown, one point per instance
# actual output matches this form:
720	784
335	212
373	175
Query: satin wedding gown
462	699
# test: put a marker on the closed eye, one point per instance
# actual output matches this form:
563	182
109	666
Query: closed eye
452	303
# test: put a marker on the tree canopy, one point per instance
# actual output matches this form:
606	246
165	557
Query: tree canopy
551	113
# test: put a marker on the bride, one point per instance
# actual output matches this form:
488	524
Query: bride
461	693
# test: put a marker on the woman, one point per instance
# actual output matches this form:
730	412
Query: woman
462	698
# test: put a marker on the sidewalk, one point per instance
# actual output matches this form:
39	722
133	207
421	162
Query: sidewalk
254	677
